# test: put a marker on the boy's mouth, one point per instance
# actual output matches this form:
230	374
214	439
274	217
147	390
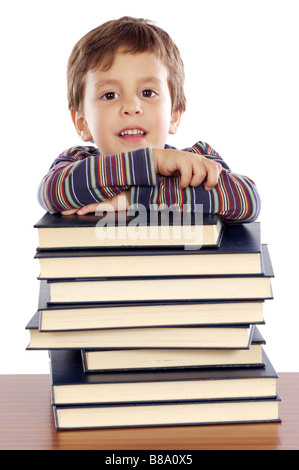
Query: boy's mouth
132	135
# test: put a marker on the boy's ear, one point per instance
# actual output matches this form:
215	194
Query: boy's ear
81	125
175	121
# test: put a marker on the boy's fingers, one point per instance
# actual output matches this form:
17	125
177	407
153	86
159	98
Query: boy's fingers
115	203
212	176
199	173
193	169
88	208
69	212
206	172
186	174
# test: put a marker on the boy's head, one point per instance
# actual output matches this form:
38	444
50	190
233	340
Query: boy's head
98	48
126	75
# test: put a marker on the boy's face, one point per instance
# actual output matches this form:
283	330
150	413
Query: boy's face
127	107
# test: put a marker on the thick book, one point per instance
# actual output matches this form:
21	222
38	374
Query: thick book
143	314
146	359
238	253
165	288
166	414
121	229
233	336
71	385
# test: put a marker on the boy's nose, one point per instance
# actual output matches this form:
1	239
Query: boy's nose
131	107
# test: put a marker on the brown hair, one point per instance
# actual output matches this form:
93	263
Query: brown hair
99	46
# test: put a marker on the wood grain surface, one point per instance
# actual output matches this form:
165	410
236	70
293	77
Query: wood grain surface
26	423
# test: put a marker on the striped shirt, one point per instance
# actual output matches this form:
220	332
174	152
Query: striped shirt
81	176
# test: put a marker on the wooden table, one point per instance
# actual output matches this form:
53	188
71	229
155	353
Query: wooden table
26	422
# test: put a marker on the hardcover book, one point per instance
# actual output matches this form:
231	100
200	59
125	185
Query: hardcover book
238	253
166	414
115	229
71	385
144	314
130	359
220	287
233	336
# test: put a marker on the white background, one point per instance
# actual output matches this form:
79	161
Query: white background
241	60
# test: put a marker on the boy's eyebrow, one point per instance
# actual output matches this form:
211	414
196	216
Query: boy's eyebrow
150	79
102	83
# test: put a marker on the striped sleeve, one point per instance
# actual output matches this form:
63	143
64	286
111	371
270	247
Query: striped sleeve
235	197
81	176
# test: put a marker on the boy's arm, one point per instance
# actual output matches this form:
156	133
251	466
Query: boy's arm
80	176
234	197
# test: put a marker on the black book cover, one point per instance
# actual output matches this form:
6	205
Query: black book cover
158	217
44	304
129	228
67	369
235	239
266	271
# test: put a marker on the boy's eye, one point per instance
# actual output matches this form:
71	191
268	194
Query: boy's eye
111	95
148	93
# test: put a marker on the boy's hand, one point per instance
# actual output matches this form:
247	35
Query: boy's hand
120	202
192	168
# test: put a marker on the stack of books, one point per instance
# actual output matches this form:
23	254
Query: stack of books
151	324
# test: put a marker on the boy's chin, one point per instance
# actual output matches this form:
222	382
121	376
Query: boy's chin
125	146
122	148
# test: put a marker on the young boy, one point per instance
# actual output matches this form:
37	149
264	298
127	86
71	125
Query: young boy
125	93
